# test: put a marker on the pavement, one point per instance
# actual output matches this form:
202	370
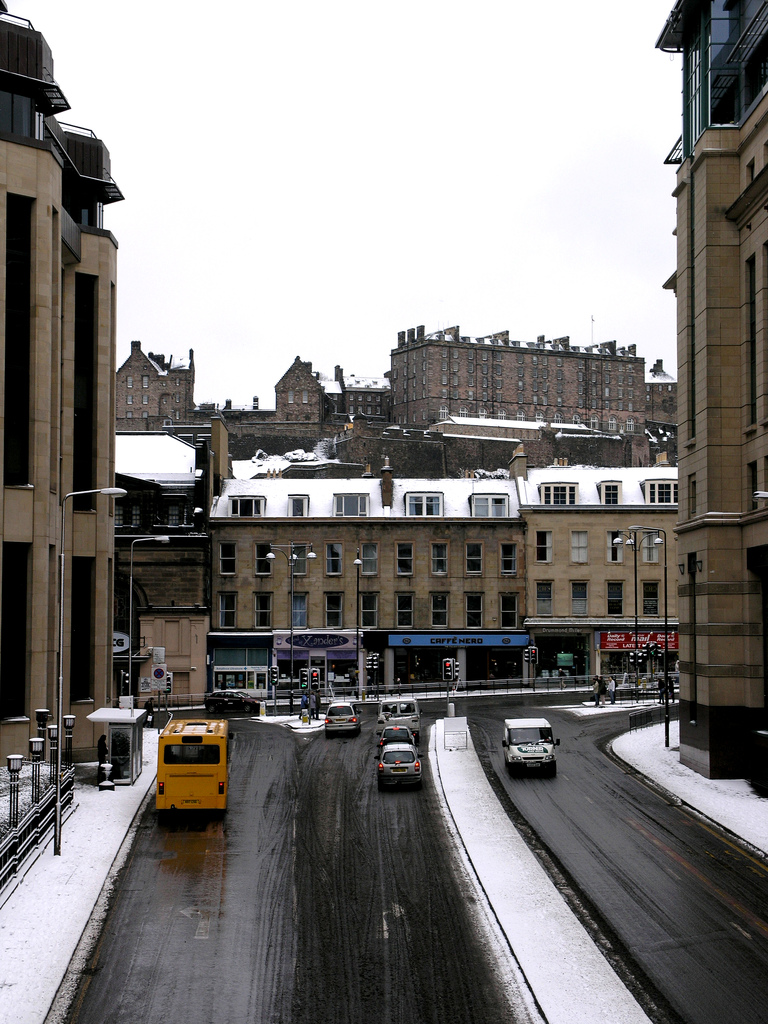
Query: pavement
51	921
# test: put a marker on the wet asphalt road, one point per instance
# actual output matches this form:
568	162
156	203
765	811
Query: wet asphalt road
317	898
684	908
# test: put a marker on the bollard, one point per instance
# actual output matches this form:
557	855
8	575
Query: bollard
106	783
53	745
69	728
14	761
451	710
36	746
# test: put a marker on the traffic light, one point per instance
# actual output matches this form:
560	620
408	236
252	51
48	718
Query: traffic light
315	677
274	674
448	669
534	652
304	678
527	654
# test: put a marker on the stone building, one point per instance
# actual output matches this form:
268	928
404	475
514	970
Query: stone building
445	373
57	377
720	283
152	393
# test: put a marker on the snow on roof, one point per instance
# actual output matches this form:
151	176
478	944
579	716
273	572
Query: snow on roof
657	377
456	494
588	478
353	381
153	456
331	387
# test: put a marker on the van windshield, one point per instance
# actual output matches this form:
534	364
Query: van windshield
531	734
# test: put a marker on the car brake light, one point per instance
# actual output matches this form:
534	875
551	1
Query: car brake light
161	788
417	766
381	767
327	721
353	719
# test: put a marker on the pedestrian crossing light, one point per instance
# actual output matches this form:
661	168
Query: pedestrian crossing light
304	678
273	674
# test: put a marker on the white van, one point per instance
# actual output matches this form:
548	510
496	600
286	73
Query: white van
399	712
529	745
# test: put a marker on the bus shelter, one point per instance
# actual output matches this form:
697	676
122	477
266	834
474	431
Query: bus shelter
124	730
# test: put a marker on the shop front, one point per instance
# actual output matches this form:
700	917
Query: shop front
565	648
238	661
616	648
331	653
417	657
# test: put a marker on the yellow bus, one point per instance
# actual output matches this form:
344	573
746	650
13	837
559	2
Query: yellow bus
192	766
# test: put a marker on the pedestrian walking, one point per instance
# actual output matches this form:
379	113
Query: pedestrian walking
612	689
596	689
602	689
313	704
561	674
102	755
661	690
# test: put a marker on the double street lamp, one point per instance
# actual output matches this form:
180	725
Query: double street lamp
114	492
291	554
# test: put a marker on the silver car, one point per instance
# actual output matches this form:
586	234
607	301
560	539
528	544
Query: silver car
399	712
341	717
399	765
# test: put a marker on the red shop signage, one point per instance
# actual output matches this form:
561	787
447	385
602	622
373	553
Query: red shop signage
626	641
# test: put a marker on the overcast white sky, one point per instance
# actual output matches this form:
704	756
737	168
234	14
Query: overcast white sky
310	178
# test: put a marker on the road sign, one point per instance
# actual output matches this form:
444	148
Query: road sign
159	676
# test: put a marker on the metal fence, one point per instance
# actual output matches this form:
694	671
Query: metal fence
644	717
20	839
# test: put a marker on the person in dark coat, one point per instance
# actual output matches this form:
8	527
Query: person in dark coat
102	755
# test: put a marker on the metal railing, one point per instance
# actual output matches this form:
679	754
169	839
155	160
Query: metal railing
645	717
23	839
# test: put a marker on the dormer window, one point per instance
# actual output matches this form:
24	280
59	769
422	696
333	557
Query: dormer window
610	493
559	494
661	492
350	505
491	506
424	504
298	505
247	507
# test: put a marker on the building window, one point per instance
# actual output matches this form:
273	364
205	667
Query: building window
474	559
333	611
262	614
439	559
492	506
129	400
424	504
615	551
443	414
508	610
405	609
333	562
299	615
558	494
145	382
262	566
629	426
650	598
129	382
508	559
351	504
473	604
615	591
227	610
227	564
610	494
290	398
305	397
247	507
543	545
135	515
369	611
439	610
578	598
369	556
298	505
691	495
300	559
661	493
145	399
579	542
544	598
649	547
404	559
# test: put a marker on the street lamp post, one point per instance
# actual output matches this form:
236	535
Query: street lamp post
289	551
115	492
661	538
631	542
357	563
136	540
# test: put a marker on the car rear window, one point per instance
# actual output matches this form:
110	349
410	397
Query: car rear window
343	712
398	757
408	708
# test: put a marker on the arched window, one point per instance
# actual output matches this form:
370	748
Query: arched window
630	426
483	414
521	414
594	422
443	412
558	417
502	414
539	417
463	411
612	423
576	418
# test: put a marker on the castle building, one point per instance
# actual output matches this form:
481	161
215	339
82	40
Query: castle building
57	382
722	315
152	392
